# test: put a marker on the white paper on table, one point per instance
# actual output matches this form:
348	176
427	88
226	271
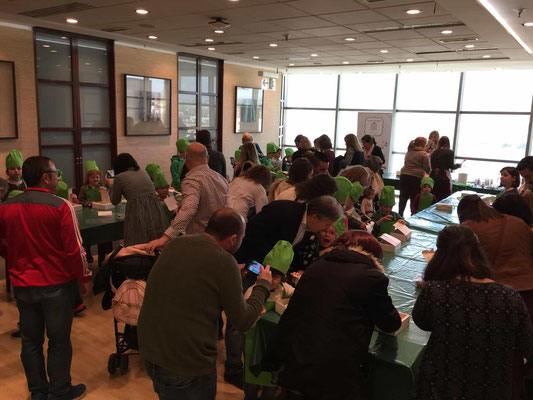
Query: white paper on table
402	228
105	213
104	194
171	203
370	227
390	239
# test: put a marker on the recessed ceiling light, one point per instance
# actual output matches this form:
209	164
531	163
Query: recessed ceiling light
46	45
53	51
346	62
409	60
211	48
58	65
233	1
383	51
469	46
218	31
141	11
72	20
486	56
314	55
350	39
209	40
291	65
63	37
273	45
255	57
153	37
528	24
446	32
413	12
87	63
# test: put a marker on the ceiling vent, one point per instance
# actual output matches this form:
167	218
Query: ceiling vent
63	9
115	29
373	1
459	40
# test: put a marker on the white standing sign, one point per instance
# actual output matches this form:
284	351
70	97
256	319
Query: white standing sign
378	125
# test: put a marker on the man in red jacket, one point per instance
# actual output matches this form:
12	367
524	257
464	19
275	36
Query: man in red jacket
41	241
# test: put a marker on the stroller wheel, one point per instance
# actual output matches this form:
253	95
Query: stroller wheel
123	364
112	363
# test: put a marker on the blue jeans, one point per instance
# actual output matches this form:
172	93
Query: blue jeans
50	308
170	386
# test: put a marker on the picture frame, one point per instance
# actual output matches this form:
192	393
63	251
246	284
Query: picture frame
248	109
147	105
8	101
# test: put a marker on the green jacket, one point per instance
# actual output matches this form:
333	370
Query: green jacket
385	226
176	166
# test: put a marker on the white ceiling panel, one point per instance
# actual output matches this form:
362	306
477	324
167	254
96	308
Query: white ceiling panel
345	53
421	49
304	22
399	12
354	17
337	30
411	42
359	38
458	31
313	41
264	13
437	19
391	50
461	46
391	3
321	7
370	45
331	48
396	35
292	34
375	25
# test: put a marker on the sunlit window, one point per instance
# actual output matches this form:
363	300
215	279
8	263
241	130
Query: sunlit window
367	91
436	91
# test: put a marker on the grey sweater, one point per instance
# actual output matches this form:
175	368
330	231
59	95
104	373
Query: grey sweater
416	163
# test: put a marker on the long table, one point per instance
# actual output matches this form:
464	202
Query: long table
393	180
393	361
97	230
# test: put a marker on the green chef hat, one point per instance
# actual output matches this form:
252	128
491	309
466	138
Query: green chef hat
182	145
280	175
340	226
159	180
356	191
289	152
152	168
272	147
62	190
237	154
280	257
387	196
90	165
343	188
14	159
14	193
427	181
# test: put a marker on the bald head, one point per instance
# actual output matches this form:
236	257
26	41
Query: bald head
227	227
195	155
247	137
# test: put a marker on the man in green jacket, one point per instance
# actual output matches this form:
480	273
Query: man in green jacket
195	277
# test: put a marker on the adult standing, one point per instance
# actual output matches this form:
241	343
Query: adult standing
479	328
326	147
303	145
508	242
178	321
204	191
354	153
442	162
525	166
40	236
247	193
145	219
247	159
217	161
323	336
371	148
248	138
416	165
433	142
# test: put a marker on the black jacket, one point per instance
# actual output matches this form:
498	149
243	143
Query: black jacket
217	162
278	220
323	337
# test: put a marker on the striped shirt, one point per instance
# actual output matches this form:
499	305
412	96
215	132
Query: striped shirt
204	191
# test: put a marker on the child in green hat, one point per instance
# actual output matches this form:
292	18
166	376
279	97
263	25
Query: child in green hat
177	162
273	155
385	218
425	198
287	160
151	169
162	190
279	259
90	191
14	171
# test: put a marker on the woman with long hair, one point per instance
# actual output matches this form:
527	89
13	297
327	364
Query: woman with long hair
324	334
480	329
442	162
300	170
247	159
370	148
416	165
247	193
354	153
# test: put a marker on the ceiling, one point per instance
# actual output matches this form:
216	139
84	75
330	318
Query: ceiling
382	31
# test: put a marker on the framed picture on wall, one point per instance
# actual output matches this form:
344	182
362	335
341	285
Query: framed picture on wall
248	110
147	106
8	101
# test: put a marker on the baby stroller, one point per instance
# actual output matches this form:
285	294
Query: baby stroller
125	271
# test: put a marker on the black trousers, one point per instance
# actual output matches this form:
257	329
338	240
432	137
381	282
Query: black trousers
409	188
50	308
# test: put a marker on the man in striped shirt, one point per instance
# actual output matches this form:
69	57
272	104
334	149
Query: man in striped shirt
41	241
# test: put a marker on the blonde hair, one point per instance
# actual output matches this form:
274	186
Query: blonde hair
353	142
357	173
305	143
248	153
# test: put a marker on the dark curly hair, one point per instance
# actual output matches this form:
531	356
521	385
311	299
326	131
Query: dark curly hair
124	162
260	174
320	185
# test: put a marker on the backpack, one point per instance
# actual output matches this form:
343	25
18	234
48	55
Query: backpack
128	301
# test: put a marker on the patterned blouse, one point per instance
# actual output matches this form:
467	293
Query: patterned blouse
477	331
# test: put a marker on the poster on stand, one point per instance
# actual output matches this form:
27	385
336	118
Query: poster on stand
379	126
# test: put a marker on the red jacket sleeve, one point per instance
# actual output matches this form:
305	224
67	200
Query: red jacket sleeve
72	243
414	205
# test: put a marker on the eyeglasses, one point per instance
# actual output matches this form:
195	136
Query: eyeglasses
50	171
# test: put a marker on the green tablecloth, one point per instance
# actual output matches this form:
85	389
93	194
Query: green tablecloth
96	230
393	180
393	361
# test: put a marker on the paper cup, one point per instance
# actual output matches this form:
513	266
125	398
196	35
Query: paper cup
462	178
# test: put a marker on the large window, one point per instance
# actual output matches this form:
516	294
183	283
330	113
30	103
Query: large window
486	114
199	97
75	90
